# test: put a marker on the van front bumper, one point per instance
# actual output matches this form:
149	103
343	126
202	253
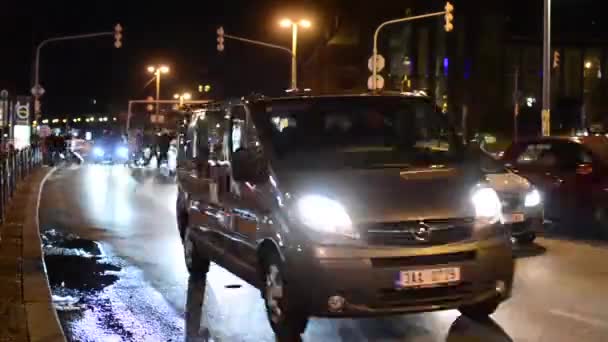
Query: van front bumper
362	281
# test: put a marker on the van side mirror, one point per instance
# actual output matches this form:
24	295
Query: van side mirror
248	167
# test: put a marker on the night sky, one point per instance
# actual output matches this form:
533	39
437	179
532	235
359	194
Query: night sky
183	35
179	34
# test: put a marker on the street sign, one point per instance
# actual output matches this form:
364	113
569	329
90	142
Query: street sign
37	90
380	63
22	111
379	82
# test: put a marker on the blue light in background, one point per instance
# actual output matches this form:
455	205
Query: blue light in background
446	63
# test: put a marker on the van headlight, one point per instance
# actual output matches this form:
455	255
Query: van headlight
532	198
324	215
487	205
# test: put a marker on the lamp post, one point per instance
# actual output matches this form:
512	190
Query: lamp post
546	110
157	71
286	23
182	97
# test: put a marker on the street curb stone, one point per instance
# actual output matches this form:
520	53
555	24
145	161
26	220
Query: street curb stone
42	321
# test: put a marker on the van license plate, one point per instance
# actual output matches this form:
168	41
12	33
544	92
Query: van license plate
428	277
515	218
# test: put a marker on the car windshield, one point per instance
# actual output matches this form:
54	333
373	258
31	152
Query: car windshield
359	132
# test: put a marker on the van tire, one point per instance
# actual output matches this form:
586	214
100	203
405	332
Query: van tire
196	264
480	310
287	322
526	238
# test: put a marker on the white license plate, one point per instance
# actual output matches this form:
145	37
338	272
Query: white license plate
515	218
428	277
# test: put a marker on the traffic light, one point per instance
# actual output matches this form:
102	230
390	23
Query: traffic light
118	36
220	39
449	16
556	59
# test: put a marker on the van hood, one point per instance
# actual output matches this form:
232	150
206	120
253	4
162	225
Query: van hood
391	195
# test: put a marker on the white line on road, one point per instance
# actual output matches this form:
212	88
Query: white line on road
580	318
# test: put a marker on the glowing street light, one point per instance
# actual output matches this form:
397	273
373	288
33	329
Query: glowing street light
186	96
305	23
286	23
157	70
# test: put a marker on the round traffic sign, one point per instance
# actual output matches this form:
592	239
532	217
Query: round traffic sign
379	84
37	90
23	111
380	63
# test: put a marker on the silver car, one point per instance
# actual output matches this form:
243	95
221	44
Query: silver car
342	206
522	205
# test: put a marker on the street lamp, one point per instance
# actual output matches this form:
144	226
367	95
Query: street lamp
182	97
286	23
157	70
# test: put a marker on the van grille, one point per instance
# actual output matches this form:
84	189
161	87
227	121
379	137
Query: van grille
424	260
438	232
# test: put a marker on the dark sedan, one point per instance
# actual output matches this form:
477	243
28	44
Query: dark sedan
571	173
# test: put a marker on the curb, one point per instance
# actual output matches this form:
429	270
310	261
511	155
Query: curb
42	320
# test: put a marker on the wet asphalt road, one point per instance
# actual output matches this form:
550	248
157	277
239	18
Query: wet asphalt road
123	265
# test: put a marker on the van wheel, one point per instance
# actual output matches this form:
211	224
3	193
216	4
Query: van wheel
288	324
480	310
195	263
526	239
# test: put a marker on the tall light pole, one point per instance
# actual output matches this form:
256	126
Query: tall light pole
37	89
546	111
157	71
182	97
286	23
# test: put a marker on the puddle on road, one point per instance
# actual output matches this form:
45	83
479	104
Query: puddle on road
90	307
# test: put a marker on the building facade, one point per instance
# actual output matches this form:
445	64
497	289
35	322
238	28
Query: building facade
479	71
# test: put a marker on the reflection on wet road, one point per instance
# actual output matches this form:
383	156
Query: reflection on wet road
116	267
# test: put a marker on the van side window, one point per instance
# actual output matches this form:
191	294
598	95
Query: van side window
217	126
238	131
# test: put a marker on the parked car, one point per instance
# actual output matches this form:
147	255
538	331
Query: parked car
571	174
523	211
521	205
343	206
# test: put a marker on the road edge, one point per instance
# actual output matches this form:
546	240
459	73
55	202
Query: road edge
42	320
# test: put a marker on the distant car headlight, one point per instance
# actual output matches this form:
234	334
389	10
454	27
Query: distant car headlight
487	205
532	198
122	152
98	151
325	215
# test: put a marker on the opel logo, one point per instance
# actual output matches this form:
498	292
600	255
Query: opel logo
422	233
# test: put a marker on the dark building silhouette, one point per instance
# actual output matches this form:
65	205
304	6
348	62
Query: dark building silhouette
471	71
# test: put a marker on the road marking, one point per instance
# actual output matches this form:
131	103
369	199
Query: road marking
580	318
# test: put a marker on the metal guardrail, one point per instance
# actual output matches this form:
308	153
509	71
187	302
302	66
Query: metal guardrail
14	167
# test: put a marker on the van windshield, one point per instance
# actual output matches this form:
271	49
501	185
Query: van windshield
359	132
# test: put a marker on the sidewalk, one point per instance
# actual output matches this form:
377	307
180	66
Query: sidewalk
26	309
